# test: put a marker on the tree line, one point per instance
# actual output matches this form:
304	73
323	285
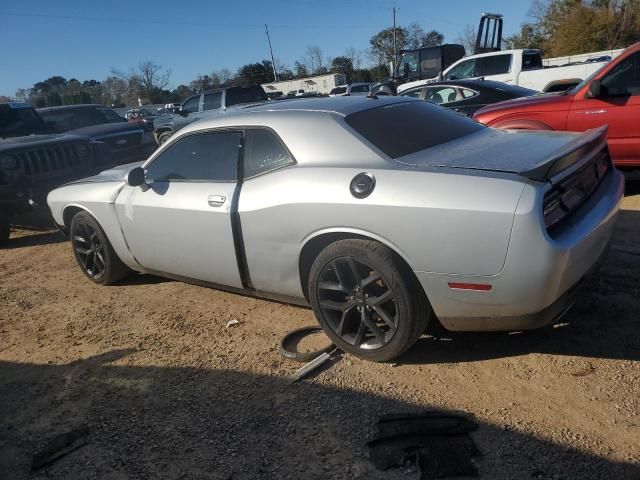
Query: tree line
569	27
149	81
557	27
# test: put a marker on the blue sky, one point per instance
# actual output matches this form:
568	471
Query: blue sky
84	39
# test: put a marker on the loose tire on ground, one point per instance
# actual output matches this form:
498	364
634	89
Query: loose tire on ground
367	300
93	251
163	137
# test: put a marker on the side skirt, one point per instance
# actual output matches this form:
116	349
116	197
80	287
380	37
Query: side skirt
247	292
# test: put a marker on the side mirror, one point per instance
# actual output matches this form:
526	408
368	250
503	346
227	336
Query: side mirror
183	113
595	89
136	177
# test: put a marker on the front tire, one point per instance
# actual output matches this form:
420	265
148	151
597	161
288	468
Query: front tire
93	251
367	299
163	137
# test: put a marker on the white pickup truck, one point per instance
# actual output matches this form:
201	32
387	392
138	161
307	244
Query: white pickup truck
517	67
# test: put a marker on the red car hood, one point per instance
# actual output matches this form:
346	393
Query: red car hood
548	102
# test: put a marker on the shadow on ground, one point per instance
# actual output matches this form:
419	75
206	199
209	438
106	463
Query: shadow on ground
32	240
152	422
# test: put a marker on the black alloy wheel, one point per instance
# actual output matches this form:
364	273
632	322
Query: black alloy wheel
89	249
357	303
93	251
367	299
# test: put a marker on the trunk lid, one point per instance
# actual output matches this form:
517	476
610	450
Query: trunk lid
538	155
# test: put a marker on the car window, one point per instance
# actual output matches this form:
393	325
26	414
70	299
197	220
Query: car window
414	93
493	65
212	101
462	70
238	95
623	79
466	93
204	157
20	121
263	152
531	61
64	119
338	91
408	67
191	105
400	129
441	95
360	88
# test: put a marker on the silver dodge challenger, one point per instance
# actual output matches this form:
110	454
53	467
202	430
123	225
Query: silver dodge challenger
381	213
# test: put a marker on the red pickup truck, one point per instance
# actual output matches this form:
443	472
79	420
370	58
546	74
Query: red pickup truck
611	96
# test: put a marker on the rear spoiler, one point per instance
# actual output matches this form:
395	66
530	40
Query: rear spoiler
583	147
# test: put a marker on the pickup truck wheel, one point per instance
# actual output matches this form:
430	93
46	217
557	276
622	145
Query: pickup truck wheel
94	252
163	137
4	226
367	300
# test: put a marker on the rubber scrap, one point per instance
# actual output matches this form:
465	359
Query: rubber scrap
59	446
437	442
287	344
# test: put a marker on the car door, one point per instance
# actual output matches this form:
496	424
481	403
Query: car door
618	106
188	113
180	221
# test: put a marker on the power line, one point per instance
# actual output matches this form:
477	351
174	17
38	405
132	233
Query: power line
163	22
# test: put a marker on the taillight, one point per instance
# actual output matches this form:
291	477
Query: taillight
572	192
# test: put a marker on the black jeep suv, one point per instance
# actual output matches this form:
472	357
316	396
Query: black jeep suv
33	161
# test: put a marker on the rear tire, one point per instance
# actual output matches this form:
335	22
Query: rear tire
367	300
163	137
5	228
93	251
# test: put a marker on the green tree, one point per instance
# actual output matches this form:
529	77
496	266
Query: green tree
255	73
382	44
342	65
416	37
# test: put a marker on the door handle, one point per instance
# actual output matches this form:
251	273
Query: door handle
216	200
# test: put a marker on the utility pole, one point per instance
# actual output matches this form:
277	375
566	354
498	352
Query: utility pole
273	62
395	48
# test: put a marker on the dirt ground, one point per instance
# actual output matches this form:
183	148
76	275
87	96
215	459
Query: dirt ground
168	391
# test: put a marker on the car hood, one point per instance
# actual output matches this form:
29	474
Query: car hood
115	174
532	154
106	129
548	102
37	140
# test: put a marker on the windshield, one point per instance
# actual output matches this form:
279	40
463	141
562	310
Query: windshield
65	119
399	129
20	122
239	95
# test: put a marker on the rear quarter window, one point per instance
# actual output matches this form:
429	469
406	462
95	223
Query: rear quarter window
400	129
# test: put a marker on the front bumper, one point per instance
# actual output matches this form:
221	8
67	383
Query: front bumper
540	275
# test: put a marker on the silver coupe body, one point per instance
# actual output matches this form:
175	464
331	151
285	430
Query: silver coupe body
488	229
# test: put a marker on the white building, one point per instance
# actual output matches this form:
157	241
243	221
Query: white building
319	84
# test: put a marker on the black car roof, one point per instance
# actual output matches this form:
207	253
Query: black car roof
70	107
479	84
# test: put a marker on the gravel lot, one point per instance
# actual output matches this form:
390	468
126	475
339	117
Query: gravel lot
168	391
